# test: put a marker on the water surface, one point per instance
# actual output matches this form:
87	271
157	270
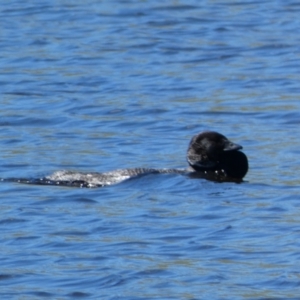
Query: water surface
96	86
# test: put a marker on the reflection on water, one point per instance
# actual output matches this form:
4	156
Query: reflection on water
98	86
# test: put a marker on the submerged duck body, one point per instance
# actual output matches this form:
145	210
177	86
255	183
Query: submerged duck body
95	179
210	155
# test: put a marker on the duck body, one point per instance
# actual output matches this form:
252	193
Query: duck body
95	179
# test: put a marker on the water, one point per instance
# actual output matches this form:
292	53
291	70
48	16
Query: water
99	85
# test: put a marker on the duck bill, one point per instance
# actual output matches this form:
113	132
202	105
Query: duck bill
230	146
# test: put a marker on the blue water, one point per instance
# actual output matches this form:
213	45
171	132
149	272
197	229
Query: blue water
99	85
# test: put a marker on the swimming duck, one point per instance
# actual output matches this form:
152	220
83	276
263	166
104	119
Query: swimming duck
210	155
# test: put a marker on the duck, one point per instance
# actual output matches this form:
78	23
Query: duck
210	155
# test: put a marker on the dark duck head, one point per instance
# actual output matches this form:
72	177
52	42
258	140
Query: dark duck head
212	154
